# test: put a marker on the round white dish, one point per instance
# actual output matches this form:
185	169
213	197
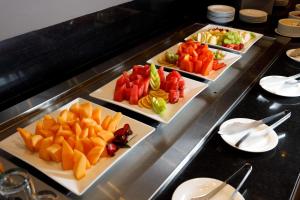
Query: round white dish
294	14
221	10
244	19
288	53
253	13
289	26
261	141
253	16
284	90
286	35
200	186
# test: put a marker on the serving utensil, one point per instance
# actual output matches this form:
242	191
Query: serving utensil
282	81
239	127
222	185
273	126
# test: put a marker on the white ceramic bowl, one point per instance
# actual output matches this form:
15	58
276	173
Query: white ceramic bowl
221	10
294	14
289	27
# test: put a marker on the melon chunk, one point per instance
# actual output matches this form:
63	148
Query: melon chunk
97	115
36	142
80	164
114	122
107	136
55	151
67	156
95	153
106	122
45	143
26	137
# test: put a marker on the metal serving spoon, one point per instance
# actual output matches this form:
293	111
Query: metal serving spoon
222	185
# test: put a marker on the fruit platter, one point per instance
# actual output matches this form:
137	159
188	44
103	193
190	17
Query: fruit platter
76	144
226	38
151	92
196	59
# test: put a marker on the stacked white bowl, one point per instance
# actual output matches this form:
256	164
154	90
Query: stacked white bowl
220	13
253	16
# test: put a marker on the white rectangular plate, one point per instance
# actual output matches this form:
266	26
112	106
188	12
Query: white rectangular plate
15	146
229	59
243	50
192	88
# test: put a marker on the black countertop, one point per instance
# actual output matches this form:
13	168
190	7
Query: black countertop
275	172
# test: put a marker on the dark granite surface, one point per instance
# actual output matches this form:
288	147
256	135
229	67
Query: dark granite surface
274	172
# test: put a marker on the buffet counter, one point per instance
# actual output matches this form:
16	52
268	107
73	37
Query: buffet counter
189	143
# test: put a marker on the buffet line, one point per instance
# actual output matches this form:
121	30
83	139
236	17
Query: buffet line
80	141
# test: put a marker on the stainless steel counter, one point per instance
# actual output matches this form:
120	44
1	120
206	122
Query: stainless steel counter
148	167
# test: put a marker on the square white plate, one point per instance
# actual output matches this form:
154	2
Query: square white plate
192	88
229	59
15	146
246	45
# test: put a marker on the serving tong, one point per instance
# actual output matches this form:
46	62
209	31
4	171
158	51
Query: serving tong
286	114
212	193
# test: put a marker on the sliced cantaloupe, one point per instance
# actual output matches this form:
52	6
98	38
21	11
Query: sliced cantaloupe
67	156
97	115
106	122
87	144
26	137
38	127
55	152
95	153
45	143
92	132
36	141
55	128
59	139
97	141
86	110
76	157
77	130
80	165
98	128
48	122
107	136
84	133
45	133
88	122
114	122
79	146
71	140
75	108
65	133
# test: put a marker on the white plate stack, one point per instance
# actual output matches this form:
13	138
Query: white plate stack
281	2
253	16
220	13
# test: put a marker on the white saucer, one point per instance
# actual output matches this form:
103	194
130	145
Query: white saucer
284	90
199	186
257	142
286	35
288	53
